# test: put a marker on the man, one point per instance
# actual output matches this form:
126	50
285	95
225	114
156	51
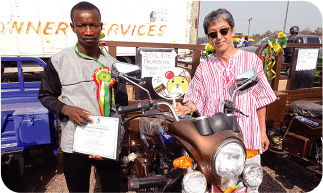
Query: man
69	73
292	38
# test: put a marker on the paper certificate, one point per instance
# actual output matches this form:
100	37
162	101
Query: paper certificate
98	138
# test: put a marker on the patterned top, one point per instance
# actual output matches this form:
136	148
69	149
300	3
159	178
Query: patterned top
213	82
70	76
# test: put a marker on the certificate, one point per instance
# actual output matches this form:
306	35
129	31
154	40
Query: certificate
98	138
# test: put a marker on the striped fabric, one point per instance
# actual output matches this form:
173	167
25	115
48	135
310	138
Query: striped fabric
213	82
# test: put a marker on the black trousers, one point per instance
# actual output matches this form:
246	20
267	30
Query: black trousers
77	170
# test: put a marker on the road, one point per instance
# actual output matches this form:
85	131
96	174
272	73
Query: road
280	175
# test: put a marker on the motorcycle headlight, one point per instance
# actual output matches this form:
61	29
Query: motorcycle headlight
194	182
229	162
253	175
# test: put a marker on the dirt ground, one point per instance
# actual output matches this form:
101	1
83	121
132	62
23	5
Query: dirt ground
42	177
280	175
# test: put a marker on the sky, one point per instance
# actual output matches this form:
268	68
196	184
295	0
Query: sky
266	15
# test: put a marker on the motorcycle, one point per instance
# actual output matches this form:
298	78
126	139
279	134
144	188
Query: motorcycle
302	135
198	154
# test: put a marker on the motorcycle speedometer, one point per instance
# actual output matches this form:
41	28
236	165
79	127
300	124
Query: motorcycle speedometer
229	162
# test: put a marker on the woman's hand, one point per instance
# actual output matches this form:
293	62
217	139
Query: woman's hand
261	112
264	142
179	109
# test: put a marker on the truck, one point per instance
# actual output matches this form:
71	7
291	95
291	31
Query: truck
40	28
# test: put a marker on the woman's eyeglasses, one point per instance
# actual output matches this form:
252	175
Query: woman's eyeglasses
223	31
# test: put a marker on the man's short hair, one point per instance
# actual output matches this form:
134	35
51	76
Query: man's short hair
84	6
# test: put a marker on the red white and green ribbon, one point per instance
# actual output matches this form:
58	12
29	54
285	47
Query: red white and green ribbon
102	77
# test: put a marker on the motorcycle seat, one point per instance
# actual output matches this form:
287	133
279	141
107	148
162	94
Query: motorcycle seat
306	108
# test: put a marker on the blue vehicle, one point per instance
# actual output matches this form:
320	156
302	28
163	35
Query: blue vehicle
25	123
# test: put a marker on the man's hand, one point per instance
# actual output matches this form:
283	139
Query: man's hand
96	157
76	114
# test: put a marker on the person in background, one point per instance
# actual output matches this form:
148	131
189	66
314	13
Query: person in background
153	16
214	81
241	41
69	73
292	38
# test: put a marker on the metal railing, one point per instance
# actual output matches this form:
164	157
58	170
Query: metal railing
21	91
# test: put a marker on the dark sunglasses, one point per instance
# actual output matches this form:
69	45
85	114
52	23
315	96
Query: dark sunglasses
223	31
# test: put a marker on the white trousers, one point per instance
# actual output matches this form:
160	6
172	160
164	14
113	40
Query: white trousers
255	159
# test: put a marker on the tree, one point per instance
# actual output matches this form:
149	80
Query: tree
318	31
256	37
267	33
306	31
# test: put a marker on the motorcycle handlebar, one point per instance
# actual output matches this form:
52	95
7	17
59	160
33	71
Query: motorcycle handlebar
146	105
140	106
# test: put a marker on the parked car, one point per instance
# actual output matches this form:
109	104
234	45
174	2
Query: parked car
261	42
305	39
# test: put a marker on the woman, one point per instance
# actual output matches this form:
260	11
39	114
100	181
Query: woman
214	82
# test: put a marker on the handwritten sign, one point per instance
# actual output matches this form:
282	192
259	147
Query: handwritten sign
306	59
303	68
153	61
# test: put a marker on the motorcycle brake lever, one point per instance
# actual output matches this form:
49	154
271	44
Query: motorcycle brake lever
238	111
229	105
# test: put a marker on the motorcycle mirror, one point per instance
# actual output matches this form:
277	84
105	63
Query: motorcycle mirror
247	80
126	68
244	81
127	71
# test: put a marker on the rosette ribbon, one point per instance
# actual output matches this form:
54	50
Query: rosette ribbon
209	49
273	49
279	42
102	77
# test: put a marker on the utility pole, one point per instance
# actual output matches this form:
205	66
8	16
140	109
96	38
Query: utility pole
249	26
286	16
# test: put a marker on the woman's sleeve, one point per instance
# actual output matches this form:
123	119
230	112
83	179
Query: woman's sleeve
196	92
262	92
